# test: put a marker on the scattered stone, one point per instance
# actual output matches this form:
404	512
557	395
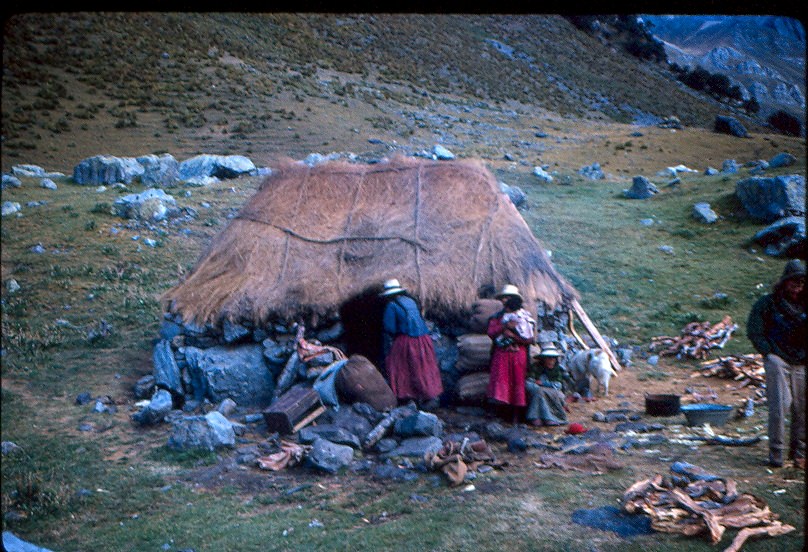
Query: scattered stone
641	188
395	473
674	171
710	171
592	172
9	447
542	175
10	181
599	417
12	286
10	207
253	418
653	360
12	543
757	167
144	387
667	249
731	126
703	213
227	407
38	249
166	371
83	398
416	446
517	196
440	152
419	424
674	182
771	198
331	433
210	432
48	184
647	222
233	332
782	160
152	205
157	409
781	235
329	457
730	166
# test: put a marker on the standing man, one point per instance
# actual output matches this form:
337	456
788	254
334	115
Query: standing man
778	329
410	361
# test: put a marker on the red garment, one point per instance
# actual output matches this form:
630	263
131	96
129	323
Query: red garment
412	368
508	369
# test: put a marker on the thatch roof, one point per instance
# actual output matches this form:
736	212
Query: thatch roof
312	237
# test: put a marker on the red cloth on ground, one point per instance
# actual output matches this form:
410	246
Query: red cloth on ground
508	370
412	368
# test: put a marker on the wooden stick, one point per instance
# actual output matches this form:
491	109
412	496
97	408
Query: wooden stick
574	333
379	431
308	419
593	331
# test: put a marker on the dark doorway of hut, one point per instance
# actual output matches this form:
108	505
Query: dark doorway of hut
361	317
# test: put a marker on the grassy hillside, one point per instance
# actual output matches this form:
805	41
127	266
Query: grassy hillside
129	84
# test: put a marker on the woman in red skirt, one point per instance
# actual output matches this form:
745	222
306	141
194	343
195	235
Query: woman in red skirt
512	330
410	361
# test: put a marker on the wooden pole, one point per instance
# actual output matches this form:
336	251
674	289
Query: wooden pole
593	331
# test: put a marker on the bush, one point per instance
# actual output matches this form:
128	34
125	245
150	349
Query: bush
786	123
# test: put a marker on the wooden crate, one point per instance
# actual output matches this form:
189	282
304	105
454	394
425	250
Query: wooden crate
294	409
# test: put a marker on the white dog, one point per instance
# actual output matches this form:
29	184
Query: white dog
594	363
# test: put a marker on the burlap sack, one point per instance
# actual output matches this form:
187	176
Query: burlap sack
481	311
472	388
360	381
473	353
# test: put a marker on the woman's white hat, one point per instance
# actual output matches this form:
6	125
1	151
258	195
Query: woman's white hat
509	289
549	350
391	287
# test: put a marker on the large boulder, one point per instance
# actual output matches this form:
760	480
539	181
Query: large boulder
210	432
769	199
159	171
152	204
782	235
11	181
641	188
218	166
783	159
107	169
239	373
731	126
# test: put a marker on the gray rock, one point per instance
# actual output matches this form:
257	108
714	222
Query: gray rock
12	286
239	373
218	166
329	457
159	171
169	329
542	175
227	407
331	433
385	445
11	181
730	166
783	159
517	196
442	153
10	207
166	372
781	235
83	398
419	424
592	172
769	199
9	447
331	334
12	543
106	169
144	387
415	446
641	188
209	432
731	126
394	473
232	332
352	422
152	204
647	222
710	171
667	249
703	213
28	170
48	184
157	409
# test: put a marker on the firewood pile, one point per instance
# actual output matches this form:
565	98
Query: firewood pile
696	339
697	503
746	369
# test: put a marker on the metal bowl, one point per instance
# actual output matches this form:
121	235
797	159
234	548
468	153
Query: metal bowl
662	405
700	414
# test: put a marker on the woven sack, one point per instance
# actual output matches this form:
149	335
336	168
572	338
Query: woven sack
360	381
473	353
473	388
481	311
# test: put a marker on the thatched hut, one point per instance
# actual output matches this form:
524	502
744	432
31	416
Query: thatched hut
314	239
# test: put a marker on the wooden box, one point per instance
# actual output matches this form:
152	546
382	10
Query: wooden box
294	409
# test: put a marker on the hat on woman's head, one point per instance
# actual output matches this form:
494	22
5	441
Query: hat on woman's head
507	290
391	287
795	268
549	350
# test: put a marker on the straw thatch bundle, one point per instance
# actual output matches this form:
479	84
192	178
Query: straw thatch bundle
313	237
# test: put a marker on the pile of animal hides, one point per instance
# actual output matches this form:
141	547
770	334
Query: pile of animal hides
694	502
696	339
